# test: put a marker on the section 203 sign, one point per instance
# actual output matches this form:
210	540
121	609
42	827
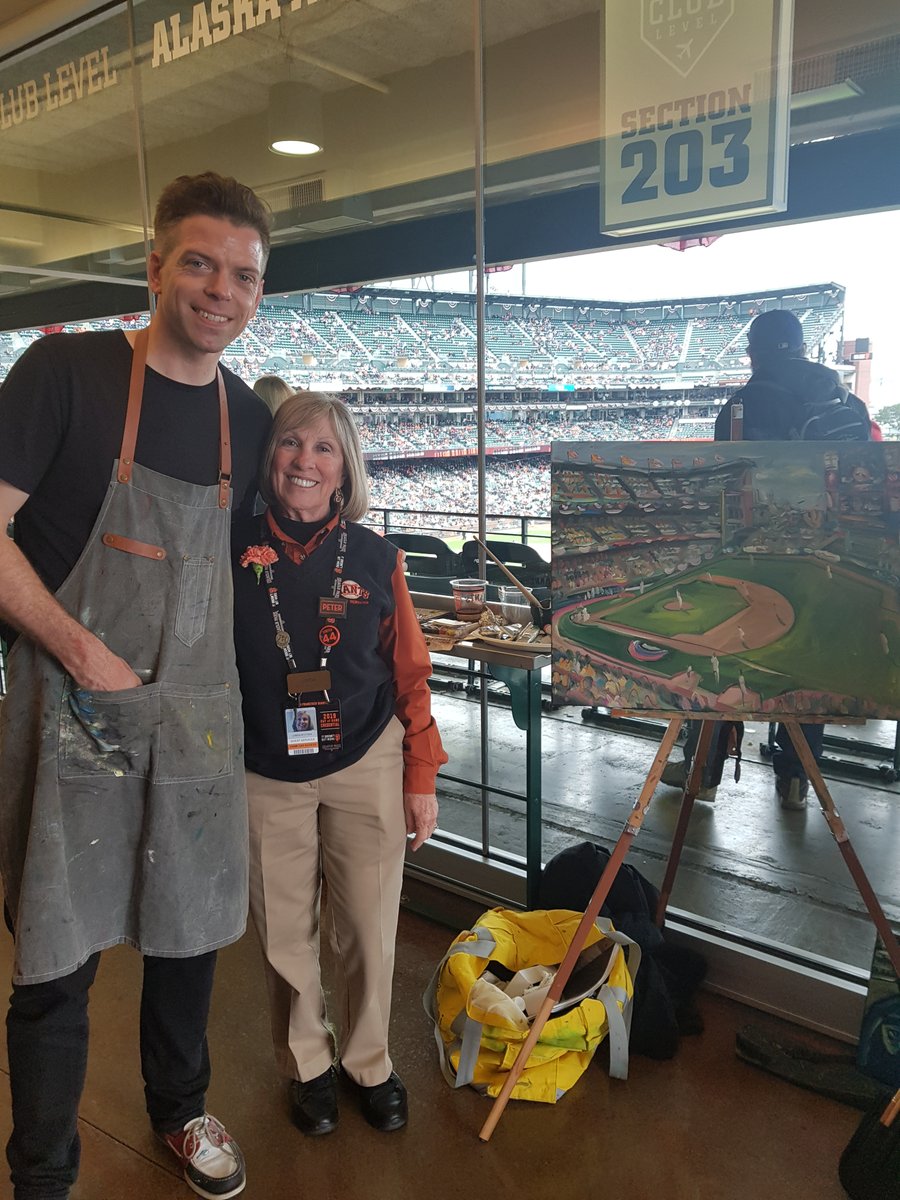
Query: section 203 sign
697	107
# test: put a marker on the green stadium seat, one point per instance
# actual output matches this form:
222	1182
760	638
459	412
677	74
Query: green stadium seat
425	554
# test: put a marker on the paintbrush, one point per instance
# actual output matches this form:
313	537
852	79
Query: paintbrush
529	596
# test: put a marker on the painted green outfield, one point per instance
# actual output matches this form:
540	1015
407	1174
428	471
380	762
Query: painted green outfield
834	644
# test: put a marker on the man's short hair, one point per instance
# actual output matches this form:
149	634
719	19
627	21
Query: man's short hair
776	331
211	195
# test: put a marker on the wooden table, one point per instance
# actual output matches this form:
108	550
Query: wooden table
519	670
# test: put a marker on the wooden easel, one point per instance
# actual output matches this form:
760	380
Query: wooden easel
623	845
829	812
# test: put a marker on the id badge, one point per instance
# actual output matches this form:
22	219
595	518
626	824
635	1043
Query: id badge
314	726
330	731
301	728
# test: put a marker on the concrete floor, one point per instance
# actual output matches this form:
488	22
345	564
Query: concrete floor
747	863
703	1126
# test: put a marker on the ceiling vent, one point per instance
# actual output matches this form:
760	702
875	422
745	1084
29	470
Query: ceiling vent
333	216
287	197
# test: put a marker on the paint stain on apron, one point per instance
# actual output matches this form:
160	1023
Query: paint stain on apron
123	814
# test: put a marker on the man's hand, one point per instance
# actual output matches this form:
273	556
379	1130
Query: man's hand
27	605
99	670
421	816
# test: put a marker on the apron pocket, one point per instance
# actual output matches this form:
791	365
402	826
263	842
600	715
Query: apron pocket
193	598
195	733
167	733
111	733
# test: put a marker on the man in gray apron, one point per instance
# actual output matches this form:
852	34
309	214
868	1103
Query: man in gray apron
122	806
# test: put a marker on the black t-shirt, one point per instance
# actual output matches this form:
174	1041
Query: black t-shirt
62	412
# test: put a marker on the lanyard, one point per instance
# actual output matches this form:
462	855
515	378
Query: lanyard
329	634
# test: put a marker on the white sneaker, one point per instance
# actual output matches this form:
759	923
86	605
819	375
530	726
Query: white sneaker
792	792
211	1160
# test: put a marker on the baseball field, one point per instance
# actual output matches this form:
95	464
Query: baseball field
773	624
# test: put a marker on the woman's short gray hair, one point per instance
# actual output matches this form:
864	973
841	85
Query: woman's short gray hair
300	411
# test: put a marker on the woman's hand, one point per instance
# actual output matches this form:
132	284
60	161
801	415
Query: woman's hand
421	816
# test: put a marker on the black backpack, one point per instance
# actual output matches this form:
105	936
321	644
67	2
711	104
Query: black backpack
843	418
665	987
777	413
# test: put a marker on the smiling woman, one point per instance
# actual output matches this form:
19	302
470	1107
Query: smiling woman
314	454
308	470
334	632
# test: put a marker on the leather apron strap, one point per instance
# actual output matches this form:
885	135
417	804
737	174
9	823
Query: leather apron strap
133	419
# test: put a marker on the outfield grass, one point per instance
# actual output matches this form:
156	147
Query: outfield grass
538	537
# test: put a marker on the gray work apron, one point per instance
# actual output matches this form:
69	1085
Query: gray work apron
145	843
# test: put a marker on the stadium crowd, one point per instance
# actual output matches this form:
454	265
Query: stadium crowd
392	340
411	436
386	350
424	495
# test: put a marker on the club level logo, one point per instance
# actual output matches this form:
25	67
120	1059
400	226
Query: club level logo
354	591
681	31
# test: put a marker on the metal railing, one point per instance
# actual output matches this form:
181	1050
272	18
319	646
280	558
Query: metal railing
531	530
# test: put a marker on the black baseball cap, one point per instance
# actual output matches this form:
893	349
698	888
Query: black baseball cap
777	329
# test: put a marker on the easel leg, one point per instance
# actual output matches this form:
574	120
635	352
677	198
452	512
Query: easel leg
601	891
840	835
691	788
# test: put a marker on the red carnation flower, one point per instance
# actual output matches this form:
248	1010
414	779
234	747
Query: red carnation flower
258	557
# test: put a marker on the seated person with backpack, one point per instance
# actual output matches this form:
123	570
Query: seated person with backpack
787	397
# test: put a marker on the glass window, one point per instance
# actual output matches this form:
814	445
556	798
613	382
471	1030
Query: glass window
70	194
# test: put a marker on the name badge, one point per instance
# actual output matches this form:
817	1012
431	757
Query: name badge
301	682
332	606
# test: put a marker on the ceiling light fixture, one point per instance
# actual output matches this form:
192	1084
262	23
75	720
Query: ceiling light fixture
844	89
294	119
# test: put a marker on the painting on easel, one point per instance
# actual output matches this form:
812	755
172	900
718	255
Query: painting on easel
728	577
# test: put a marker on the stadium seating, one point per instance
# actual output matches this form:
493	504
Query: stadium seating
406	361
425	555
524	562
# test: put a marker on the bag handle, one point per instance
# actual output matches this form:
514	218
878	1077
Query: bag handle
482	946
615	1000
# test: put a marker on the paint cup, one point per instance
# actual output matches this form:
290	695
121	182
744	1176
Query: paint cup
509	599
468	597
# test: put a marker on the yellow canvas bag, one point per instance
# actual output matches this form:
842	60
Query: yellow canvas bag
479	1035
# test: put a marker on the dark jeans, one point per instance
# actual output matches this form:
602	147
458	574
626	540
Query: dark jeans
47	1036
785	762
689	747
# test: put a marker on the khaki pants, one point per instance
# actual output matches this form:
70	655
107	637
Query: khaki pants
349	828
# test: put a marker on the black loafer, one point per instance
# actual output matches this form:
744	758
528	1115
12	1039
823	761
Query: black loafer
314	1107
384	1106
